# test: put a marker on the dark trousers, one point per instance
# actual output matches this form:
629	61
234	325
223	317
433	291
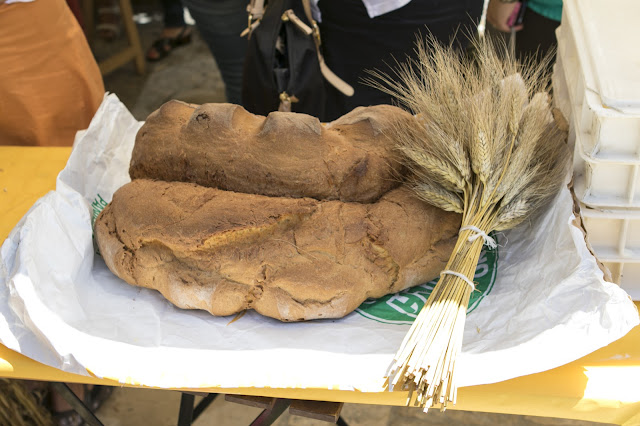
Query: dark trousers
537	37
354	43
173	13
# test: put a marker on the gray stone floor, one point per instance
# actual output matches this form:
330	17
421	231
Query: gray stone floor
134	407
190	74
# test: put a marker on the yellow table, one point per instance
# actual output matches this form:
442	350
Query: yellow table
601	387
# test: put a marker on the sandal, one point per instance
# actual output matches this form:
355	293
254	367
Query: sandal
67	418
161	48
96	396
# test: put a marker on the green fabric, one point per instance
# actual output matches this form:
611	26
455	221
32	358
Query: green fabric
551	9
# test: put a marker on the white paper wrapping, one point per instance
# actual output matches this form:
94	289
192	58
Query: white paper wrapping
60	305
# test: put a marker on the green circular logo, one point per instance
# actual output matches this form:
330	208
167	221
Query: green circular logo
403	307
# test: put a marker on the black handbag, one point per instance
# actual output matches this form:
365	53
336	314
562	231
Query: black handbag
284	69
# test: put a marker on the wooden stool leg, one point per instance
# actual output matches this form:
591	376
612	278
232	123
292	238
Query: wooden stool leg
132	34
88	15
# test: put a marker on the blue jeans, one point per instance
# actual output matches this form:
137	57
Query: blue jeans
220	23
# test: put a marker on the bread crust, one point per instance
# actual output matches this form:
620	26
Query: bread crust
293	259
282	155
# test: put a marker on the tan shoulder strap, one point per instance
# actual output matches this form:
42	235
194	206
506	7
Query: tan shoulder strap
255	8
329	75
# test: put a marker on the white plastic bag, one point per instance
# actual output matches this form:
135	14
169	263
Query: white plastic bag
545	303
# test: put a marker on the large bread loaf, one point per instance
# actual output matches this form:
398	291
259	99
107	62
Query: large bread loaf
292	259
285	154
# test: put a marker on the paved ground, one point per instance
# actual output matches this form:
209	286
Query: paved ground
135	407
190	74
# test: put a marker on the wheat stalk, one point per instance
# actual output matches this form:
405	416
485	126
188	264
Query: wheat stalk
484	144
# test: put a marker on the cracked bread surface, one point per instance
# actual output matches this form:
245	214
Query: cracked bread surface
292	259
283	155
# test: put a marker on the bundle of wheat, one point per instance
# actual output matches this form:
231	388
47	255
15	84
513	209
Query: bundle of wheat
19	406
484	144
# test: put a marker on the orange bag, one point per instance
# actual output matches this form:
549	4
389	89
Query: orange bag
50	84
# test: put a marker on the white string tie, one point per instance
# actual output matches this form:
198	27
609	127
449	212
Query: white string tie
490	242
461	276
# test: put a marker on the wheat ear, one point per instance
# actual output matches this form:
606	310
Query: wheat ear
482	144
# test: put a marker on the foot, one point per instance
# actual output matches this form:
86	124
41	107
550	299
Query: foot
169	39
63	413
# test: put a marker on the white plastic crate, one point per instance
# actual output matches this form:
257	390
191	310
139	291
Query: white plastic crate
609	134
599	40
561	97
594	68
603	180
614	236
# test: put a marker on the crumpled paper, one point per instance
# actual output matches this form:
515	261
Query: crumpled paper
60	305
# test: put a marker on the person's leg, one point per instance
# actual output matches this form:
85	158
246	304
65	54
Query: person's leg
220	23
354	43
174	32
49	80
173	13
